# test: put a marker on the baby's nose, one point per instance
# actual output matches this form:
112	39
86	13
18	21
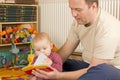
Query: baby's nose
42	51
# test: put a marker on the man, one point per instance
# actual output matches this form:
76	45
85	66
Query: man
100	36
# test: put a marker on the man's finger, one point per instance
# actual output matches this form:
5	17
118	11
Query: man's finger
39	73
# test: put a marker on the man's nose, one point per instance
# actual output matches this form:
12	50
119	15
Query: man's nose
74	13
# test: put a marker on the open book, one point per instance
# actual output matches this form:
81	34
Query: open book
39	64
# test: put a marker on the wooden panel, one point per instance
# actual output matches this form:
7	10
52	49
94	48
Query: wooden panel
76	56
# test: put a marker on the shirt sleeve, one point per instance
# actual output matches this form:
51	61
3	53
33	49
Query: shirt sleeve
73	36
57	61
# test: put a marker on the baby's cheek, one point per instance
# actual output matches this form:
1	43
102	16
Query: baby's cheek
47	54
36	54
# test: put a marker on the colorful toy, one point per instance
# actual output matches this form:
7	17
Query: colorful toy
15	50
28	31
10	71
18	28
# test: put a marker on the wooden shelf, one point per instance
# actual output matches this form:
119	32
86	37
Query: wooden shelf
7	22
15	43
18	22
19	4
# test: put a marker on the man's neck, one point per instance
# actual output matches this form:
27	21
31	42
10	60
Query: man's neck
87	25
95	15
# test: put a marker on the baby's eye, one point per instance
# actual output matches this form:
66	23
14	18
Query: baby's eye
36	49
44	48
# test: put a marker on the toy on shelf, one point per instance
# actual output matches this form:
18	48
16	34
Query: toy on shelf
14	51
18	33
31	55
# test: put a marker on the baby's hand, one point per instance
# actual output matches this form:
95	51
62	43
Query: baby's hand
31	77
47	61
43	59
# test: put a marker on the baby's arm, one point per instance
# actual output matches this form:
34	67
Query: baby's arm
57	61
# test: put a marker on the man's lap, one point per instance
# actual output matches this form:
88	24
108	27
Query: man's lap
100	72
71	65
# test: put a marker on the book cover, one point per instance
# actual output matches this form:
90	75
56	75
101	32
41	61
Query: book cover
38	64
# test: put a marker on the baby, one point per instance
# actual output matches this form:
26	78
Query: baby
43	45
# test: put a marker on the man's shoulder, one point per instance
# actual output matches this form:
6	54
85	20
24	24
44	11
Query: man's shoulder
107	19
107	16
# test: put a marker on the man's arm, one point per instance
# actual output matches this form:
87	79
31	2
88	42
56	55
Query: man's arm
67	75
67	49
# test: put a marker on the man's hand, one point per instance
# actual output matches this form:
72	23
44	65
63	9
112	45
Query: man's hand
46	75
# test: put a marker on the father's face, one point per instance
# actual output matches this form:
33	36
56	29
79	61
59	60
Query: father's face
80	11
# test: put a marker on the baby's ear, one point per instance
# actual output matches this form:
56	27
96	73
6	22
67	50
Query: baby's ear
51	45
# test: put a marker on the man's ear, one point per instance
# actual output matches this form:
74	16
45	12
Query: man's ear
94	5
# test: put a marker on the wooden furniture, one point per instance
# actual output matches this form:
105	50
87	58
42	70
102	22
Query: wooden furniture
76	56
13	15
12	19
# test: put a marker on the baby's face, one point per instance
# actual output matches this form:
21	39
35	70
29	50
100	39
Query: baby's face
42	46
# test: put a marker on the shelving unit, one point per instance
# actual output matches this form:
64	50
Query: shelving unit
17	14
14	18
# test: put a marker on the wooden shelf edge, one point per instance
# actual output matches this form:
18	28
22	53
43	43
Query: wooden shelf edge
15	43
17	22
16	4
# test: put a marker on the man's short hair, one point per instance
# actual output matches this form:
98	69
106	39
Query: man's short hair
90	2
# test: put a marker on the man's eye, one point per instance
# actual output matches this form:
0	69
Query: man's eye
78	10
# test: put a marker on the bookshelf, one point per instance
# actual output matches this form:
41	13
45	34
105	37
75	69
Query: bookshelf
13	15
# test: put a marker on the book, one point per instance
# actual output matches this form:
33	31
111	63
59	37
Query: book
28	69
38	64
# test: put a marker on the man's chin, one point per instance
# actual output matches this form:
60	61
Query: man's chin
80	23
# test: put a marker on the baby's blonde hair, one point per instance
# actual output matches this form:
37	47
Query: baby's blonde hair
41	36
